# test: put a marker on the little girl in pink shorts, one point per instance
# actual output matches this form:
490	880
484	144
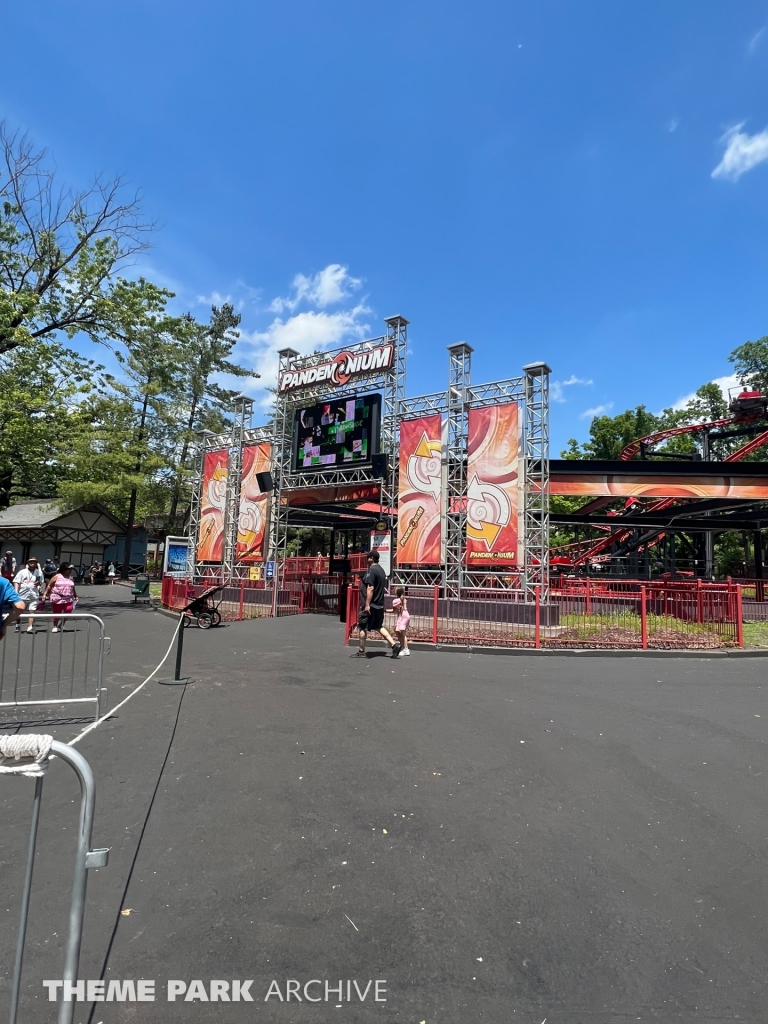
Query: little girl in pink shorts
400	608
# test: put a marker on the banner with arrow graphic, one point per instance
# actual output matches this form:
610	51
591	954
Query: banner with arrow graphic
254	503
210	542
492	485
420	491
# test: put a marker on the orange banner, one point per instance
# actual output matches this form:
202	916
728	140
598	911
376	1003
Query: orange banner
420	492
662	486
213	494
492	485
254	504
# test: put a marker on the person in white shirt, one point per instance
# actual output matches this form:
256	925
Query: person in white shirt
28	584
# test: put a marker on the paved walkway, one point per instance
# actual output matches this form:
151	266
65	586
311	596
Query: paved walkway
501	839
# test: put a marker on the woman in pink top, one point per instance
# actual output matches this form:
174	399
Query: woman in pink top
61	590
400	608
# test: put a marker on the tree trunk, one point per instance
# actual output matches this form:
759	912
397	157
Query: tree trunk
182	460
134	492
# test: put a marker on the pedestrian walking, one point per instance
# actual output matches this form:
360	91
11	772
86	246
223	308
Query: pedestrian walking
50	568
8	566
400	608
371	618
28	584
111	573
61	590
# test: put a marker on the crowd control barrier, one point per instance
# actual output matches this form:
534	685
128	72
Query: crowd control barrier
43	667
29	755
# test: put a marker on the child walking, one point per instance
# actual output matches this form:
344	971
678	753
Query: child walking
400	608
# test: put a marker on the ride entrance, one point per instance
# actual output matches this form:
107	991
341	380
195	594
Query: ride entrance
453	489
451	486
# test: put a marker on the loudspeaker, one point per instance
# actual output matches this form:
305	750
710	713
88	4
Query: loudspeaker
264	480
380	466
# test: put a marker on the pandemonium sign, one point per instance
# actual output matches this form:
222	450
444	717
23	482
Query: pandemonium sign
339	370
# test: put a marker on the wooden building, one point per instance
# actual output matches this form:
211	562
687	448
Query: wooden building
39	527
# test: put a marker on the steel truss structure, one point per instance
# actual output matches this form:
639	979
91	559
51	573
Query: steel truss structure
390	381
233	444
536	491
531	391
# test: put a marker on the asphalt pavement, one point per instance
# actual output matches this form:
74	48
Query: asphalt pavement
495	839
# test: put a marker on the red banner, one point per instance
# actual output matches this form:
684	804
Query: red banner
420	492
254	504
492	485
210	544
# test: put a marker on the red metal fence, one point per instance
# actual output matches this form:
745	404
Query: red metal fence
632	616
253	599
580	613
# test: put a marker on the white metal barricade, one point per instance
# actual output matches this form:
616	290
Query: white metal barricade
46	667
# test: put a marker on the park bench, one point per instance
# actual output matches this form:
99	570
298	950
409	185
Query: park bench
140	588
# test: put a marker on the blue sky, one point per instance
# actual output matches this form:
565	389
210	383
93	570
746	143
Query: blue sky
535	179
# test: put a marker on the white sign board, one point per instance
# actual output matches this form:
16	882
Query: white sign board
382	542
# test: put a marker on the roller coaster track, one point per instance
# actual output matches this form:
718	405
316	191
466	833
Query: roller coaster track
622	536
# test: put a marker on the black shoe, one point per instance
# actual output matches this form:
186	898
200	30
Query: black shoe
396	650
360	654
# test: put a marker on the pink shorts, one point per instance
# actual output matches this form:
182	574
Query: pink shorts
61	609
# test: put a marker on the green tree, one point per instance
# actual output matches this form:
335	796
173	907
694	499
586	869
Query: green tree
43	388
751	363
608	435
205	355
61	249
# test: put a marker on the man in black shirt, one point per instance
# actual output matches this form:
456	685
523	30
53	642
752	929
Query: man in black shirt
372	588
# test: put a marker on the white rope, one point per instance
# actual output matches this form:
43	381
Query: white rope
25	754
133	693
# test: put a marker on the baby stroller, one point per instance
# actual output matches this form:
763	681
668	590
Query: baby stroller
204	609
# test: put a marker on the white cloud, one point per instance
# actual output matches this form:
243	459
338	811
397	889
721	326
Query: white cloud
214	299
308	331
673	124
326	288
754	42
742	152
556	391
599	410
724	383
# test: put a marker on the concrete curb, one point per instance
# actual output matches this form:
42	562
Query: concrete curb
598	652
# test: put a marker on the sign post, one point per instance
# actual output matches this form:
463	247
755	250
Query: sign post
381	541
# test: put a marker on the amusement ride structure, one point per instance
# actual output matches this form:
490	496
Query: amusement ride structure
644	523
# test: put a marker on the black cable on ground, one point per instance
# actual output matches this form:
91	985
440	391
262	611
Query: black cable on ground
112	937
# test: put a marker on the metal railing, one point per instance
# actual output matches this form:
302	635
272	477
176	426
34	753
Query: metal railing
241	599
46	668
636	616
85	859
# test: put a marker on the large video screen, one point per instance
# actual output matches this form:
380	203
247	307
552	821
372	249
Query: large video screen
336	434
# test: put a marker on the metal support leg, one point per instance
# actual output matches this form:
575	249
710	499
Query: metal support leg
25	899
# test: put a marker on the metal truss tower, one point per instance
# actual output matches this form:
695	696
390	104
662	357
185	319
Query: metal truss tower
196	502
536	463
459	380
243	411
397	336
281	463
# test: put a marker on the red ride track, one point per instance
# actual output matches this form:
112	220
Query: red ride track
628	453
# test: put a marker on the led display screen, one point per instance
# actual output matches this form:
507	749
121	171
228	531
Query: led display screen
335	434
